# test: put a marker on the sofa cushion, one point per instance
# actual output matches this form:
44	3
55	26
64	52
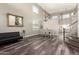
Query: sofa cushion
8	35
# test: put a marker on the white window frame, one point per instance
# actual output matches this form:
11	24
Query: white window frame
35	9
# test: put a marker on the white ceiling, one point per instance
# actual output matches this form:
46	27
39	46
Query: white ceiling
57	8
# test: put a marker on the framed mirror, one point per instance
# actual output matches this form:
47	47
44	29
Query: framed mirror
14	20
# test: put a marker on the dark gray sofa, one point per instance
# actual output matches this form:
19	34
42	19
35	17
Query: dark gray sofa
10	37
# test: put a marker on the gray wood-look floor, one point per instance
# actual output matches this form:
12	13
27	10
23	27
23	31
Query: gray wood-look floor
38	45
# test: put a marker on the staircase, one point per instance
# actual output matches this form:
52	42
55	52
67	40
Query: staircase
73	42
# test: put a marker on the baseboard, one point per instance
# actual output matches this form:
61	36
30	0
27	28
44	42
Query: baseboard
30	35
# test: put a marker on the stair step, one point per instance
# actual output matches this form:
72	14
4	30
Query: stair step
72	46
75	40
74	43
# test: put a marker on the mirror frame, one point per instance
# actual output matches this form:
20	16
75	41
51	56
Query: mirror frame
8	14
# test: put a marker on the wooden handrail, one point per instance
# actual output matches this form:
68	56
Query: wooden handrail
73	23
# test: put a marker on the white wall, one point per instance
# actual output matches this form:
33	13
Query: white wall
78	20
20	9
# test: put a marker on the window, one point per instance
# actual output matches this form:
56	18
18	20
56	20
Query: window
54	17
65	16
35	21
35	10
35	25
72	14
